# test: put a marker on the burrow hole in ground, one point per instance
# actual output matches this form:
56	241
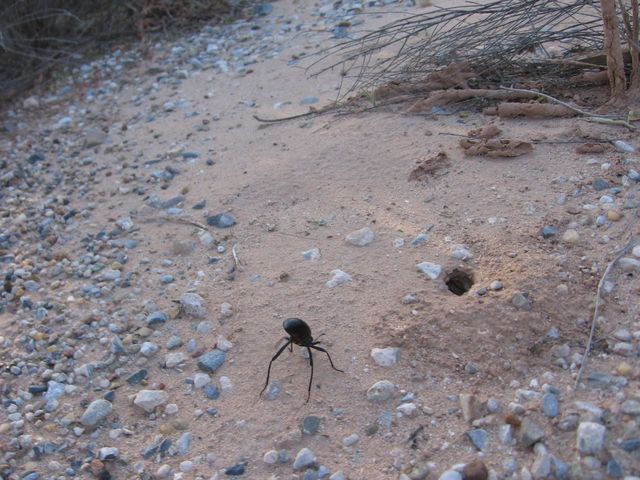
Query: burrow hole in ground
458	281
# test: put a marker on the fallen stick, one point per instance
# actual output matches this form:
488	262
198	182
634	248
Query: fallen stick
590	117
182	221
596	309
442	97
236	259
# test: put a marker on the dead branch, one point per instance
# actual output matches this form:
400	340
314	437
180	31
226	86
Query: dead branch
532	110
442	97
596	309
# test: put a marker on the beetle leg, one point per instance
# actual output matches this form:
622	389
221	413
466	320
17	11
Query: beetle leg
272	360
330	361
310	378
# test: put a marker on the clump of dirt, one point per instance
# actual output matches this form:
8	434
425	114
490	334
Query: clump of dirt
429	167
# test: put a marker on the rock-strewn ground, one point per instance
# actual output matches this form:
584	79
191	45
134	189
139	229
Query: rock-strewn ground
153	238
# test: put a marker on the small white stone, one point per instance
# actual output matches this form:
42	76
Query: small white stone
590	438
431	270
271	457
148	400
460	252
350	440
171	409
385	357
225	384
311	255
223	344
338	277
226	310
172	360
361	237
200	380
408	409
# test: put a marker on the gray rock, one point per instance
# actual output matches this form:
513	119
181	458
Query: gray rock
624	349
385	357
172	360
148	349
211	361
157	317
380	391
97	411
305	458
311	255
630	407
530	433
53	394
361	238
471	407
338	277
273	390
496	285
623	335
193	305
339	475
419	240
108	453
271	457
201	379
461	253
550	405
521	301
221	220
431	270
541	467
628	264
148	400
311	424
350	440
450	475
183	443
590	438
409	299
174	342
479	437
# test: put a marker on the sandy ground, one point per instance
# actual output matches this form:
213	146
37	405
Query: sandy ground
307	184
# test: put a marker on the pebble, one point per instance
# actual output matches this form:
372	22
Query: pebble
271	457
530	433
590	438
420	239
311	255
431	270
628	264
460	252
221	220
156	318
273	390
496	285
380	391
408	409
108	453
350	440
385	357
226	310
338	277
549	231
97	411
211	361
173	360
550	405
521	301
479	437
304	458
201	379
193	305
570	236
148	349
311	424
360	238
450	475
148	400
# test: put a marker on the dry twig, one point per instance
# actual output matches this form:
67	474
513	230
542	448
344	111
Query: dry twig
596	309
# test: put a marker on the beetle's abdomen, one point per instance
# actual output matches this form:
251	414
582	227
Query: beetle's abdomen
298	330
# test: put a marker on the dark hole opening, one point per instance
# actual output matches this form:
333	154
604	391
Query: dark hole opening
459	282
